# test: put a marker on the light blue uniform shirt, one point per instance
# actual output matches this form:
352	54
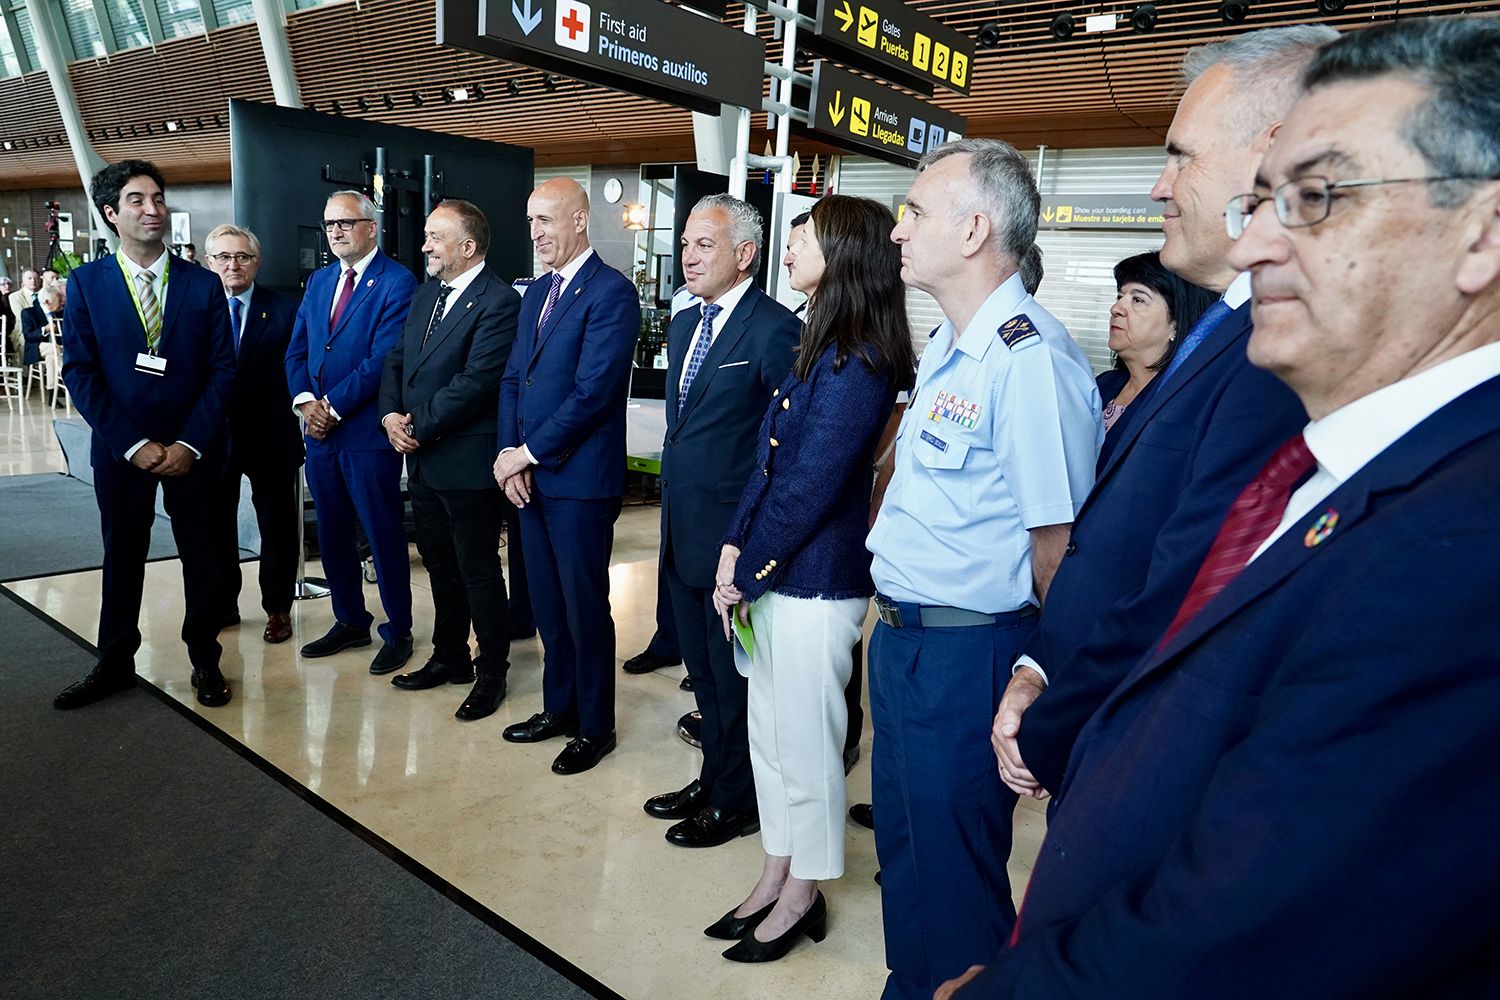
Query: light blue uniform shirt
999	438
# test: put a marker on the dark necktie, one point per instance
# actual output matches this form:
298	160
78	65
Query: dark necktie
1211	318
344	295
437	312
1252	517
552	294
234	322
700	351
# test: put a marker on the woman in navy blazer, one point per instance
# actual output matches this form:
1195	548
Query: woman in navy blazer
794	562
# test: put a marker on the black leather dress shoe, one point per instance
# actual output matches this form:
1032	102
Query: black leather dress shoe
488	693
644	663
731	928
336	640
430	675
582	753
690	729
863	814
541	726
392	656
679	804
813	923
99	683
213	689
711	827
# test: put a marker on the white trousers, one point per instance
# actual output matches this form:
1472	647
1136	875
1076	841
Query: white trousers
797	723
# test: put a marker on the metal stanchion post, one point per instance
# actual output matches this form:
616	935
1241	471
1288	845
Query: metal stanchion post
308	588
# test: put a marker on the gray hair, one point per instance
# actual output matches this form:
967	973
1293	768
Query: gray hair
1004	191
745	224
366	206
51	296
1457	128
221	231
1267	66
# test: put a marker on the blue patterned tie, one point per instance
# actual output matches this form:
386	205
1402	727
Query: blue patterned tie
700	351
1211	318
234	322
552	294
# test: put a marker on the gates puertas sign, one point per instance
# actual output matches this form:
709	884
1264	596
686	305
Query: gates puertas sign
890	39
643	47
859	113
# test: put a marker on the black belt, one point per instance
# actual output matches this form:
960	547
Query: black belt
903	614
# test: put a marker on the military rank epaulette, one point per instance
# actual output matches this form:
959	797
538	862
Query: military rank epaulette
1019	333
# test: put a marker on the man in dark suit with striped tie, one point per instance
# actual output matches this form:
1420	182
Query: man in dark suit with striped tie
265	439
149	365
437	399
1187	445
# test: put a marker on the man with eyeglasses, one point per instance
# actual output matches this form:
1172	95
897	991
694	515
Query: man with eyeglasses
1294	793
1186	446
351	315
265	441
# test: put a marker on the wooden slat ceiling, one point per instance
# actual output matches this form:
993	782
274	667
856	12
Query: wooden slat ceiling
1114	89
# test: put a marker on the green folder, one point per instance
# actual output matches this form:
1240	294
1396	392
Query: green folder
745	633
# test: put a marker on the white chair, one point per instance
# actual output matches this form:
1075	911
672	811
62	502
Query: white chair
55	362
10	374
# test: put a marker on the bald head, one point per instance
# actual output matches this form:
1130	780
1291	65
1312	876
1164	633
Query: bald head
558	214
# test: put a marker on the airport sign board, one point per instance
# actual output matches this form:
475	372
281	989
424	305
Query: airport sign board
891	40
863	116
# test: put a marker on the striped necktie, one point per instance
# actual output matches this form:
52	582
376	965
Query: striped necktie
552	294
150	309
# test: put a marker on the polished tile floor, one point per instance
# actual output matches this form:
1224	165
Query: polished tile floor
571	861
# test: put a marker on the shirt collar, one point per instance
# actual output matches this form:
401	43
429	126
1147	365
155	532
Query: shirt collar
730	299
1238	292
361	265
458	284
1003	303
244	296
570	270
1348	438
155	267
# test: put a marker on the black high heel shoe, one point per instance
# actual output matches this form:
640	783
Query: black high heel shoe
731	928
813	923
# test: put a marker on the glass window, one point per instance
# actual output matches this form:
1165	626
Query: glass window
28	40
180	17
8	64
129	22
233	11
83	28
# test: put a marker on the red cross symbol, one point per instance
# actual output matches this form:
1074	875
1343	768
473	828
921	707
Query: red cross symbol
572	23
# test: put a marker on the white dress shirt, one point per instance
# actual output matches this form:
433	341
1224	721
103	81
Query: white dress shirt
158	269
727	302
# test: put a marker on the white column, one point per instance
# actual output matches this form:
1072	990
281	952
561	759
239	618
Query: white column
270	18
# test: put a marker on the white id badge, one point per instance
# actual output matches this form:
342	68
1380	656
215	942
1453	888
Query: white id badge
150	364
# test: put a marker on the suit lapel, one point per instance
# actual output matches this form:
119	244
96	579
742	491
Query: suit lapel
570	294
679	333
1457	425
733	332
457	316
256	315
1229	333
173	306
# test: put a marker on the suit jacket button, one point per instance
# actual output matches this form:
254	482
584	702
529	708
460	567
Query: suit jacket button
775	443
775	393
530	382
786	404
771	564
327	347
1072	548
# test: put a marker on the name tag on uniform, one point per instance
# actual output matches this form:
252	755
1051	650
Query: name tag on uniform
150	364
935	441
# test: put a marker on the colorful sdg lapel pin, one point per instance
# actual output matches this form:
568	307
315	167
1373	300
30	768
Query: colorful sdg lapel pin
1321	528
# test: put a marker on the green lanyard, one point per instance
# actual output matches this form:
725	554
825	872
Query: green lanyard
153	332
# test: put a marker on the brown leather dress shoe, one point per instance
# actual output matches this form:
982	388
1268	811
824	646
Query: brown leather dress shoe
278	627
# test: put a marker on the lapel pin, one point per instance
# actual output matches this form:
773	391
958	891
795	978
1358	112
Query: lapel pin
577	290
262	315
1321	528
468	305
370	283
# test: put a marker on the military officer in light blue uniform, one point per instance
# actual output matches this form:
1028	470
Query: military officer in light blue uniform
994	458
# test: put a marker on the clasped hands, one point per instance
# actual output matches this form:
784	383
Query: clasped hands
399	431
319	417
163	459
513	473
726	595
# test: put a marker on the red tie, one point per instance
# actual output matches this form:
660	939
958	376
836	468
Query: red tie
344	296
1252	517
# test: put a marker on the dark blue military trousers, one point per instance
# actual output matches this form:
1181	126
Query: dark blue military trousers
942	815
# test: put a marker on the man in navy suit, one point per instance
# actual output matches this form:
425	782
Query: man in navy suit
149	365
1293	793
726	356
265	440
1188	445
351	315
437	398
562	461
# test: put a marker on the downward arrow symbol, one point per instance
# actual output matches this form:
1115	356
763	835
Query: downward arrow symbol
845	16
836	108
1046	215
529	20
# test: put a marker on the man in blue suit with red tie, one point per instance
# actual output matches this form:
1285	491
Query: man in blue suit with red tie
1187	445
1294	793
149	365
351	315
562	462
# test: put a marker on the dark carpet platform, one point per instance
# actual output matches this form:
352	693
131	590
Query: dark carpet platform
144	856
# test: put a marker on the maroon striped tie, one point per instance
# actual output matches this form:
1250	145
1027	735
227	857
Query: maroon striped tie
1252	517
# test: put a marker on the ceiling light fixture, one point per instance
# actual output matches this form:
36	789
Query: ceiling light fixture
1063	27
1330	6
1143	19
989	35
514	87
549	82
390	102
1234	11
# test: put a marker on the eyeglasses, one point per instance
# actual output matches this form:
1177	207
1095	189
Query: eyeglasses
343	225
1307	201
238	258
